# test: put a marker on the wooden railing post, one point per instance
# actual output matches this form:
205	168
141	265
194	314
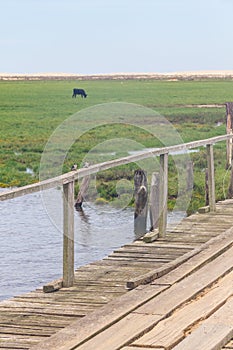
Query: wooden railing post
154	201
230	189
68	234
211	182
163	192
229	127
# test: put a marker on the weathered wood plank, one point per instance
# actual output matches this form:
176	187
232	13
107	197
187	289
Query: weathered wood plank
94	323
209	251
151	236
172	330
28	331
103	281
183	291
153	249
149	314
213	333
228	345
114	337
152	275
136	348
53	286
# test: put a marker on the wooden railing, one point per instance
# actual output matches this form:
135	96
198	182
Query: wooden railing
67	181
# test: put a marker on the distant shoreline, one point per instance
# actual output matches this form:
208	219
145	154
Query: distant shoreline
202	75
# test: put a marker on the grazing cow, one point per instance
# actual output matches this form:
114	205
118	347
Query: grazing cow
79	92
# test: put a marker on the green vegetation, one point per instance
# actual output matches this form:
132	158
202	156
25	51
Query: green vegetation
31	110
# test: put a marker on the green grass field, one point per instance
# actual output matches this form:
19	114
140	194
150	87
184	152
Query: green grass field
30	111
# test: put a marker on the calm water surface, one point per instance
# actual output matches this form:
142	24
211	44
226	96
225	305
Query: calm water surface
31	243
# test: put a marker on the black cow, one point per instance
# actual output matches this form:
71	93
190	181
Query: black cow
79	92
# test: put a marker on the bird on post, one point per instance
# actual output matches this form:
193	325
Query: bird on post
74	167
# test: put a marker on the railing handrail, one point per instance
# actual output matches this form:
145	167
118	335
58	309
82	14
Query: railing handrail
80	173
67	182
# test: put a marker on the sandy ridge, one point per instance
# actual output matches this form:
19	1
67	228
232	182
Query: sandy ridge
196	75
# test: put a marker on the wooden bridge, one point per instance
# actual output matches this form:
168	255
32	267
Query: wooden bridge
175	292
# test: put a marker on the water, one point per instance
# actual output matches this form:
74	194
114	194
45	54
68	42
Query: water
31	243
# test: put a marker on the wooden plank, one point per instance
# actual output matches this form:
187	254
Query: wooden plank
156	247
151	313
13	346
34	321
101	319
53	310
53	286
136	348
28	331
146	259
204	210
184	290
151	236
156	273
148	255
120	333
210	250
132	263
18	339
106	280
213	333
171	330
229	345
209	337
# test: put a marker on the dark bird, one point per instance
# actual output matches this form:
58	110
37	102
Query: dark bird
74	167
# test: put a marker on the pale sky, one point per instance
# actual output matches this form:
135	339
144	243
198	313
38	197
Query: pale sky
112	36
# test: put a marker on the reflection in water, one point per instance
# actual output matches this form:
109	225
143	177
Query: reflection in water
83	215
31	244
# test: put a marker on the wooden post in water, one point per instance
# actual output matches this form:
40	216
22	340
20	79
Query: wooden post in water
229	127
211	182
206	188
154	201
189	180
163	192
230	190
141	195
82	192
68	234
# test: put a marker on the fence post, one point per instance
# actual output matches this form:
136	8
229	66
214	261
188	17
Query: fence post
230	189
68	234
141	203
211	182
229	127
163	192
82	192
154	201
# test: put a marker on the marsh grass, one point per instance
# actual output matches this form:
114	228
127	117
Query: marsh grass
30	111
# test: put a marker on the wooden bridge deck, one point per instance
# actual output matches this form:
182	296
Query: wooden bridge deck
186	303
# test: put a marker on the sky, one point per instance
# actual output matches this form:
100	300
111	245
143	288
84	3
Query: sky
115	36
